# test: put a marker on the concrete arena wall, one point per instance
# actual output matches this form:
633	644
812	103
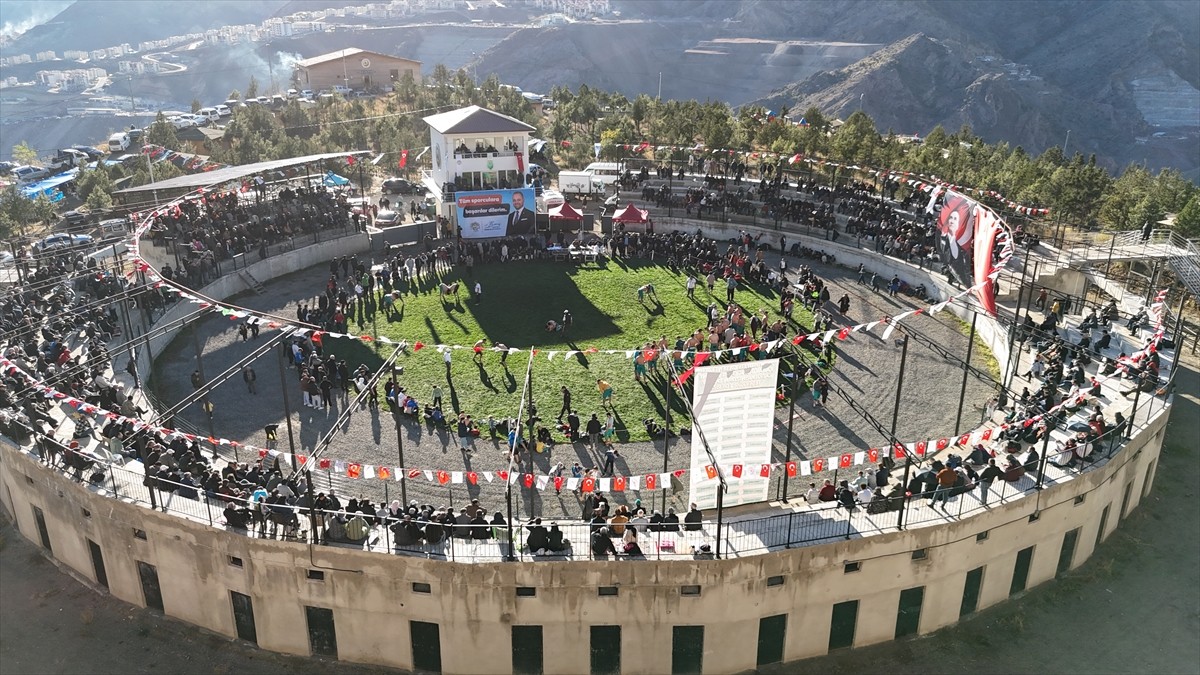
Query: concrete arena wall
475	605
231	284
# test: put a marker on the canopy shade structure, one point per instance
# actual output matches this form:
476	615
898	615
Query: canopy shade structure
49	186
233	173
565	211
631	214
331	179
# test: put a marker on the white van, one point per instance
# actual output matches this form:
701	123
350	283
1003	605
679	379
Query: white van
606	173
209	114
118	142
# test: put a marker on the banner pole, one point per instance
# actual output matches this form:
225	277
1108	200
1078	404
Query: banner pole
892	435
962	392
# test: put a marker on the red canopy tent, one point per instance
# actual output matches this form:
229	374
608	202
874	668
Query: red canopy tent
565	211
631	214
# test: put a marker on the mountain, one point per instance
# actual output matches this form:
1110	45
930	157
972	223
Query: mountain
97	24
1123	76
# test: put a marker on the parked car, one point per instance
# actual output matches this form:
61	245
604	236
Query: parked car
7	167
93	153
209	114
29	174
307	93
387	218
63	241
224	110
136	135
112	226
402	186
181	121
74	218
234	104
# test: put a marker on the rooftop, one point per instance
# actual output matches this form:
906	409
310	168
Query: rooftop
345	54
475	120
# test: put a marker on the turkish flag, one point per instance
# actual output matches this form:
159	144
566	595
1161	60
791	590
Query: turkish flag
302	459
765	471
503	475
528	480
898	451
558	482
963	440
414	473
987	434
651	481
678	473
710	471
873	455
846	460
737	470
818	465
403	158
350	160
791	469
383	472
618	484
261	453
354	470
325	463
942	443
473	477
921	446
443	476
417	346
589	484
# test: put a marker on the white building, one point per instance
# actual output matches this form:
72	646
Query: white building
45	56
75	55
474	148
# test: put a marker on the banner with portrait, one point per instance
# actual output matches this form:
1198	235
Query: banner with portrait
966	240
496	213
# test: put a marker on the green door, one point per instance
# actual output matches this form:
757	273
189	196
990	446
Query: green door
1067	555
908	614
842	625
426	646
527	650
970	598
1021	571
606	650
771	633
687	650
322	634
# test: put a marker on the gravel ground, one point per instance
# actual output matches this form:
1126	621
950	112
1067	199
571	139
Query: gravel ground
866	370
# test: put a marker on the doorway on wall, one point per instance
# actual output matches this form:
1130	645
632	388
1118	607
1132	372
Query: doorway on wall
243	616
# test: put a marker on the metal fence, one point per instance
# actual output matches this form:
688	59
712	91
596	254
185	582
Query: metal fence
123	479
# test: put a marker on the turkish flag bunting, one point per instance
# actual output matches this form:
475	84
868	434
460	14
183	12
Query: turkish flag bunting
325	463
791	469
898	451
710	471
418	346
354	470
651	481
678	473
987	434
502	475
963	440
765	471
558	482
443	477
942	443
261	453
403	158
619	484
589	484
528	480
383	472
302	459
873	455
473	477
818	465
921	446
737	470
846	460
350	160
414	473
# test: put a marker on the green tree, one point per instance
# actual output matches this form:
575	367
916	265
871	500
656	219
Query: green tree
16	210
1187	221
252	88
161	132
235	95
99	200
43	209
196	105
23	154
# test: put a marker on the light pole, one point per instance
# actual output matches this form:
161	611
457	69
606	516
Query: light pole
396	371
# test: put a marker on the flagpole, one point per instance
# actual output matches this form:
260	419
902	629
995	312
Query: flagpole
514	438
962	392
892	435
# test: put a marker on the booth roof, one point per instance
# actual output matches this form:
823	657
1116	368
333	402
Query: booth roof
232	173
565	211
631	214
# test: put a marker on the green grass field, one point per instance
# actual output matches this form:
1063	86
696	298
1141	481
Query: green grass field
518	299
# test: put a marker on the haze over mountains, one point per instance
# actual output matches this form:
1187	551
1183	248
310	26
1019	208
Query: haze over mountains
1122	75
